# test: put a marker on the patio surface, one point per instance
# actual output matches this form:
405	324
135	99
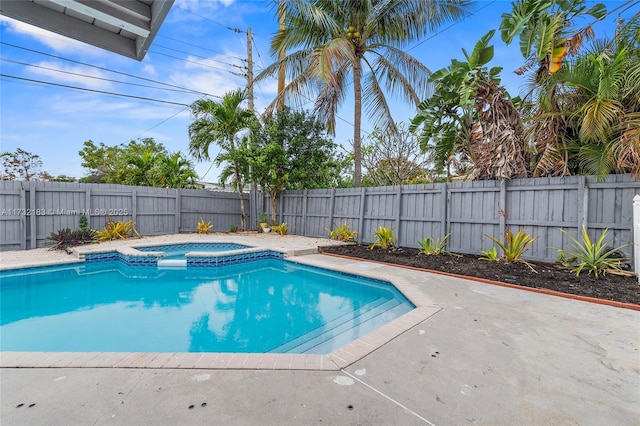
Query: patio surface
489	355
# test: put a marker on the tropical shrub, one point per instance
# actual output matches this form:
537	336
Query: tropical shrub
65	238
384	238
281	229
342	233
435	247
233	229
203	227
514	246
117	231
490	255
597	257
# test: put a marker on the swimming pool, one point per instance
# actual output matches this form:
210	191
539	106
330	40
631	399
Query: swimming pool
178	251
266	305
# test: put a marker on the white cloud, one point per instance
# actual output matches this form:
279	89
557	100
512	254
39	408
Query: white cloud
54	41
198	6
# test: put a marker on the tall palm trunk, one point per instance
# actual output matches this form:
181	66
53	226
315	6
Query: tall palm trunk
357	122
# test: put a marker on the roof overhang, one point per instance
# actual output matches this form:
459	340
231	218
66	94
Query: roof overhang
126	27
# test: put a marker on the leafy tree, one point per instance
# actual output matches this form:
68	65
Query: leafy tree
336	43
22	165
221	122
394	159
102	161
140	163
64	178
292	151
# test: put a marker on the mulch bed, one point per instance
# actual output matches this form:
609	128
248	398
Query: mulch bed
548	276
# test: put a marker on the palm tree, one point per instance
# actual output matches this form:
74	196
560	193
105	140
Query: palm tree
174	171
602	105
220	122
547	36
336	43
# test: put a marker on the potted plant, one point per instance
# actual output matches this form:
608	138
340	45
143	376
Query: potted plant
264	224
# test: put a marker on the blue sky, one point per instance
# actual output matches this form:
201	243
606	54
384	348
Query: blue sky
195	49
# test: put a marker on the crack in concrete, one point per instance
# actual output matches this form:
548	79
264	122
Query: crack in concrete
388	397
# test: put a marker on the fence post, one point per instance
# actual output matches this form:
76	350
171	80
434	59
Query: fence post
332	206
23	223
398	214
445	209
363	197
32	217
503	207
178	216
304	213
134	205
636	235
583	203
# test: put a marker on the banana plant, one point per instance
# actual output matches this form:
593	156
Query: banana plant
545	33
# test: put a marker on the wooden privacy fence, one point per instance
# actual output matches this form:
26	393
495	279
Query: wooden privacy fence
469	210
30	211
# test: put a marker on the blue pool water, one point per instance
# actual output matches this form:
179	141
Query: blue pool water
177	251
259	306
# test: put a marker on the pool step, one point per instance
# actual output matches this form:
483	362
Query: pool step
172	263
365	319
333	342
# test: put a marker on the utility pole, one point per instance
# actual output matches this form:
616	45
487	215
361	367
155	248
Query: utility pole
253	211
250	69
281	55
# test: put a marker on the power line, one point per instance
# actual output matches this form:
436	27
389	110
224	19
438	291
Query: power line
452	25
92	90
92	77
235	30
194	62
200	47
198	56
107	69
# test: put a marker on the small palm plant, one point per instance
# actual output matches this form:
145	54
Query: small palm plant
342	233
597	257
384	238
514	246
434	247
490	255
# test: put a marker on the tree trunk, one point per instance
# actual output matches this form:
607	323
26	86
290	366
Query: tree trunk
239	188
357	122
272	196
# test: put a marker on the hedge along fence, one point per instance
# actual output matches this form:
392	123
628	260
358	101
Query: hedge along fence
469	210
30	211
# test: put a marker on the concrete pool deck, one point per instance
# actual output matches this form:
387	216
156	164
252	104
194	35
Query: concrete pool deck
490	355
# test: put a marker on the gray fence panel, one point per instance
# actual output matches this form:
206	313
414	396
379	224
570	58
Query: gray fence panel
31	211
318	213
472	210
467	210
222	209
12	222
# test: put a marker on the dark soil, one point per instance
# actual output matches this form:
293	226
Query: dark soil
546	276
